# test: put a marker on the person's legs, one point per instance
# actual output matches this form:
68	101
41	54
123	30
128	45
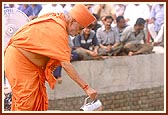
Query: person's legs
141	49
152	31
83	54
102	52
159	36
57	74
27	82
117	50
74	56
145	48
130	47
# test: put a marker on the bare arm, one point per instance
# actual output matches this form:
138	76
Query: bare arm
96	49
70	70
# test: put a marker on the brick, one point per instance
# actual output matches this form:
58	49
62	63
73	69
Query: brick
137	99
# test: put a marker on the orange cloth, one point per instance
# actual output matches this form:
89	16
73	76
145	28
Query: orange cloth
47	36
82	15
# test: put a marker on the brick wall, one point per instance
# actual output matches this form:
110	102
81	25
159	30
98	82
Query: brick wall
147	99
126	83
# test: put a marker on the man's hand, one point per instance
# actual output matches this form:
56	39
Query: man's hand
91	93
92	53
151	21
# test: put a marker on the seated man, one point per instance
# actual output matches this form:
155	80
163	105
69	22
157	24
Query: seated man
82	46
156	23
133	39
119	28
86	44
107	37
121	25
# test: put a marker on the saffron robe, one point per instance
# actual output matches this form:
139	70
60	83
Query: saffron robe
46	36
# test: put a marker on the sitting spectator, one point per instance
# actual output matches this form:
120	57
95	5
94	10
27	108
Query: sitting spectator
156	23
51	8
119	28
134	11
121	25
104	10
27	9
107	37
11	6
119	9
95	24
36	10
132	38
86	44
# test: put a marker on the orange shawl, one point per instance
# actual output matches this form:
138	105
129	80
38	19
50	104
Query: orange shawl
47	36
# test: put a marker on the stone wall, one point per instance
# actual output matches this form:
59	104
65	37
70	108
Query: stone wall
123	83
148	99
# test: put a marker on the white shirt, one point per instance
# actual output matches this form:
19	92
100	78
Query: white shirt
132	12
49	8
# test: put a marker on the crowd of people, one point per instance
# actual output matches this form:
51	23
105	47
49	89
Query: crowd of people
119	29
116	16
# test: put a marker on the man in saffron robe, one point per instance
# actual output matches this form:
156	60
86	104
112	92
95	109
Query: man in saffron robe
36	49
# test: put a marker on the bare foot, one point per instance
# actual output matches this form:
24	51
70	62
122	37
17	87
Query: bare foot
130	53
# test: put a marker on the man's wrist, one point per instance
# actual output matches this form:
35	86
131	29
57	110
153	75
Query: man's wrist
85	87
